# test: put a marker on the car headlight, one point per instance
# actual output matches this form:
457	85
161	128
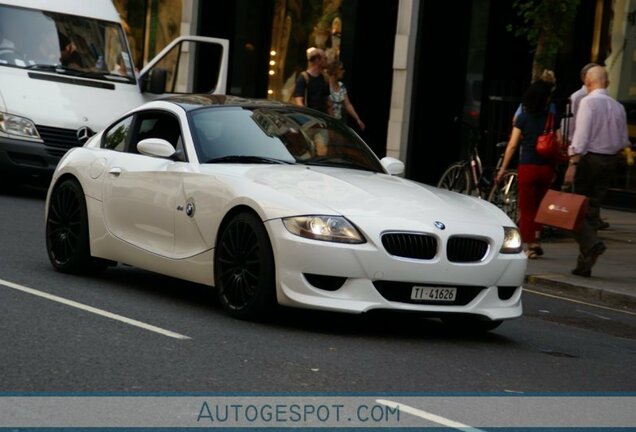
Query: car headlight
326	228
19	126
512	241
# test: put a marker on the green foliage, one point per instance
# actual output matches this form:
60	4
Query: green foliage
546	25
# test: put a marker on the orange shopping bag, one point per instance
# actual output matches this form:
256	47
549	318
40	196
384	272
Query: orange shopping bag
562	210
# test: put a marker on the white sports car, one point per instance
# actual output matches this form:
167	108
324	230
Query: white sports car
273	203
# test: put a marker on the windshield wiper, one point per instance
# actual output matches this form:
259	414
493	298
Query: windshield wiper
46	67
61	69
335	161
248	159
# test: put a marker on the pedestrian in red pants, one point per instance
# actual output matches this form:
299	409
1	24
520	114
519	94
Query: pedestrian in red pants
535	173
533	182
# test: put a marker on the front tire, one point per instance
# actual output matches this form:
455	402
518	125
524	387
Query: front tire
244	268
67	240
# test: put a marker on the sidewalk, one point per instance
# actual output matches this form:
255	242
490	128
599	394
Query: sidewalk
613	281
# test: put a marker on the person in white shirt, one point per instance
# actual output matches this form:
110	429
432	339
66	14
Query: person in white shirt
600	134
575	100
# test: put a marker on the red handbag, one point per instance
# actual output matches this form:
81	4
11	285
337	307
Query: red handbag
548	144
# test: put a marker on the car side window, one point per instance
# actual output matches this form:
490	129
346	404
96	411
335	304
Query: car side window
157	124
115	138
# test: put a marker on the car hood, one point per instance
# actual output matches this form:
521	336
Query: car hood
354	193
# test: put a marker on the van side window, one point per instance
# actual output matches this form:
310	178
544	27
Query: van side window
115	138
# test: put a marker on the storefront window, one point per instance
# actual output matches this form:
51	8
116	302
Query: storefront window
132	14
621	66
150	25
296	27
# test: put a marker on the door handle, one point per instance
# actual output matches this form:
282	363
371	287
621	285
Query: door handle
114	171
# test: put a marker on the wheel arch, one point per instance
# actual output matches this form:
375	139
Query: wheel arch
85	262
230	215
55	183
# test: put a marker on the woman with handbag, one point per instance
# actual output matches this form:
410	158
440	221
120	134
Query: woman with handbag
534	172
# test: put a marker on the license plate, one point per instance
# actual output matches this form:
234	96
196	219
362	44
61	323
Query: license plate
433	293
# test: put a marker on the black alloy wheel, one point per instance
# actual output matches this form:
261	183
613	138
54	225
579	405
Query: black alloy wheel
244	268
67	241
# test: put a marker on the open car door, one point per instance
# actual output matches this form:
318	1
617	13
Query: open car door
188	64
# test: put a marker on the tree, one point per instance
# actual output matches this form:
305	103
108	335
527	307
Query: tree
546	25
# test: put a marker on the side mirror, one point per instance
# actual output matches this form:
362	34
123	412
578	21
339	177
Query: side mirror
155	147
392	165
155	81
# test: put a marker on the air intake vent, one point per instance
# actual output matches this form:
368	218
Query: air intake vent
466	249
329	283
410	245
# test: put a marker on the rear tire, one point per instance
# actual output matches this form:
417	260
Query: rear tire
456	178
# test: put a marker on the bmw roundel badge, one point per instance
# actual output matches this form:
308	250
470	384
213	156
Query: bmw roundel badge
189	209
440	225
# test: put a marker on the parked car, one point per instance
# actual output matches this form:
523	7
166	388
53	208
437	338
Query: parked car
273	203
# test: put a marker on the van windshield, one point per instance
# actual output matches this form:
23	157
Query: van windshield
63	43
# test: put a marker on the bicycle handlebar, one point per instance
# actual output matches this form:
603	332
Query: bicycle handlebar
463	122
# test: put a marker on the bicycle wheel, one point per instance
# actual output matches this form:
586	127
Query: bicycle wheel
504	195
456	178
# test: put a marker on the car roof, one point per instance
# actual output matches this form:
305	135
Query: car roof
191	102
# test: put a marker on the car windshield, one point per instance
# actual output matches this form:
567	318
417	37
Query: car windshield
277	135
65	44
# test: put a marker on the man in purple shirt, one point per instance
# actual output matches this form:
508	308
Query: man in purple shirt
575	100
600	134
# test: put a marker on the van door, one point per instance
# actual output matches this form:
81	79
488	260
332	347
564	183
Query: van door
189	64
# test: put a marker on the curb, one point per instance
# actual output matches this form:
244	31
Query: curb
601	297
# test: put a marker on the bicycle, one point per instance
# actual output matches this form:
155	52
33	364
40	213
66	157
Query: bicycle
470	177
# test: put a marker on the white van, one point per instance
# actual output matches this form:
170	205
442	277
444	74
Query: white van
66	70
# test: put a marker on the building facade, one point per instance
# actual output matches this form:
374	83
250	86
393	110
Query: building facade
409	84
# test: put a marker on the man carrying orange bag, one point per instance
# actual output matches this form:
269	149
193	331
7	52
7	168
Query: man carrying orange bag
600	134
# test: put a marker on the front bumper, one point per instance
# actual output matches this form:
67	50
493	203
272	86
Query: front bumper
29	159
367	277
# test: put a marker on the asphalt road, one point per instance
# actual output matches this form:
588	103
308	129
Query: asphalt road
129	330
